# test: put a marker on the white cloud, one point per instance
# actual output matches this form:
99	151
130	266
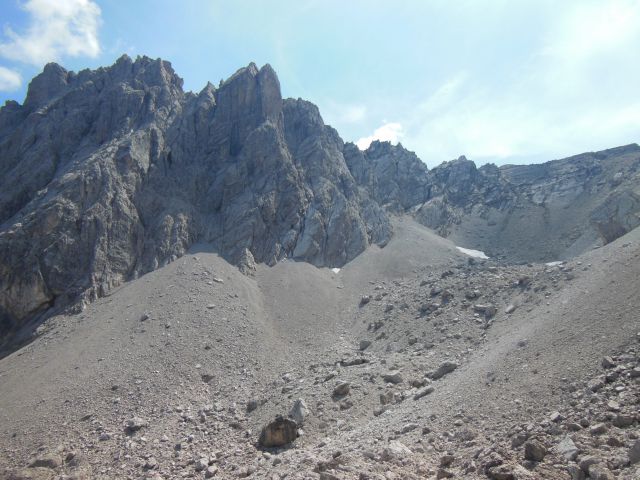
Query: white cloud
9	80
389	132
57	28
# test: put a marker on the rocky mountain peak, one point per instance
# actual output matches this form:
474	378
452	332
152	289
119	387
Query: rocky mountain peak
123	172
51	82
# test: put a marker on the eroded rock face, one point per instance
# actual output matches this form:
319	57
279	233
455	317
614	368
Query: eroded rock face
108	174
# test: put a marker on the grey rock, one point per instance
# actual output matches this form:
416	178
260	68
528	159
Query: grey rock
623	421
134	424
394	377
534	450
423	392
252	405
487	309
634	453
444	369
586	462
341	389
211	471
567	448
201	464
607	362
600	472
299	411
45	461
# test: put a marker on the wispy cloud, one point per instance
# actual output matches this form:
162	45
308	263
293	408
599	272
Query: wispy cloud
56	29
9	80
389	132
577	90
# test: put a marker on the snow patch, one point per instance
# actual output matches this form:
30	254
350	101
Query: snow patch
473	253
553	264
335	270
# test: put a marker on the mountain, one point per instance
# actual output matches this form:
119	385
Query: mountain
108	174
167	255
547	212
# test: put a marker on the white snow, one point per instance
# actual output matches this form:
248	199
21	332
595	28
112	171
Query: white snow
335	270
473	253
553	264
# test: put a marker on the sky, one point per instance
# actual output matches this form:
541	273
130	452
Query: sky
501	81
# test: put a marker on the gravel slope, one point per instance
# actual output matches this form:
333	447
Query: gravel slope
205	356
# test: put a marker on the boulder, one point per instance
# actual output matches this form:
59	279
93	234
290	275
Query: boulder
278	433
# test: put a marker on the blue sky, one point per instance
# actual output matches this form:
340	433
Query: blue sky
503	81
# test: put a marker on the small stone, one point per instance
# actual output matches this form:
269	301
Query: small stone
556	417
573	427
151	463
201	464
409	427
446	460
534	450
45	461
104	436
351	362
364	300
252	405
394	451
444	369
607	362
623	421
423	392
364	344
598	429
299	411
599	472
575	472
567	448
586	462
211	471
510	308
394	377
134	424
343	388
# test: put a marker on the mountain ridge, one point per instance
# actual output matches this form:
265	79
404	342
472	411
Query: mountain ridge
109	173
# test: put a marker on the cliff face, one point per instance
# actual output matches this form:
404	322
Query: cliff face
107	174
